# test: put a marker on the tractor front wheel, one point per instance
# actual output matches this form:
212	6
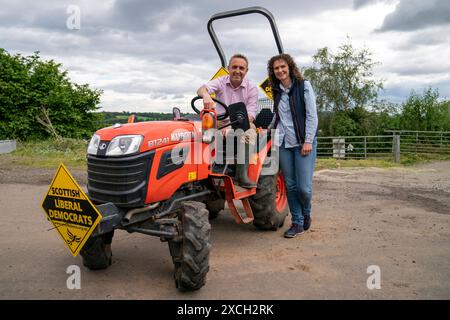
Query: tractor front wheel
190	253
96	252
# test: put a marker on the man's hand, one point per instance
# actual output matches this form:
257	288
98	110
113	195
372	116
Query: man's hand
208	102
225	131
306	149
251	119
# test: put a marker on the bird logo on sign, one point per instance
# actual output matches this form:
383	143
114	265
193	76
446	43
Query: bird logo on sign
72	238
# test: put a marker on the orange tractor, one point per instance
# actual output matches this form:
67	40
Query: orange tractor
168	178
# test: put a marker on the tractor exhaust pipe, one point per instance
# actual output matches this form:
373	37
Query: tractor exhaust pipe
132	212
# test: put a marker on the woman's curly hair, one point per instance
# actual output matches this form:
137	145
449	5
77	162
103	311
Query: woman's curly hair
293	69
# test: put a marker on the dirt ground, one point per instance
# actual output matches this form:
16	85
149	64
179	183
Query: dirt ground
397	219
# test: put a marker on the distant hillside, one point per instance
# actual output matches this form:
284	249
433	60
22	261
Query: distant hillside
110	118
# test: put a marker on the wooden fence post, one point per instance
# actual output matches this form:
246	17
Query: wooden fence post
396	148
365	147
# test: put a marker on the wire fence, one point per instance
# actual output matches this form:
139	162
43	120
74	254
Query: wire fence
392	145
389	146
423	142
356	147
265	103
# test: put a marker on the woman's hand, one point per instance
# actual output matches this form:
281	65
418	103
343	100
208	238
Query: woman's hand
306	149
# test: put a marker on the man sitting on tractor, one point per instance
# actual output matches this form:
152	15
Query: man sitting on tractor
231	89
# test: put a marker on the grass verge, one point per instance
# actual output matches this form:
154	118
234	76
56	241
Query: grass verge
331	163
48	154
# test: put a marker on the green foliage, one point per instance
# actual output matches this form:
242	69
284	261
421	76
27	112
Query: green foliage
345	88
346	91
343	81
359	121
31	88
425	113
343	124
384	116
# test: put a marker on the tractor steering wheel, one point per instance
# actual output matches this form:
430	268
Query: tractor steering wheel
222	116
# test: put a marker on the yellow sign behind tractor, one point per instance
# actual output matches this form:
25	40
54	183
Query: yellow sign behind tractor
70	210
220	73
266	88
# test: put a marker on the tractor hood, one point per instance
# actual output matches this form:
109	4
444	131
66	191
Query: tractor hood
156	133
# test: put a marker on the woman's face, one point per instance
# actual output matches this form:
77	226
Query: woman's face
281	70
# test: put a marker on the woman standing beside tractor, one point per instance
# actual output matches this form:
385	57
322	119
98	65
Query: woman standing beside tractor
296	120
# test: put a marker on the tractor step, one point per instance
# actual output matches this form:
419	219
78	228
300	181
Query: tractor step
235	192
241	193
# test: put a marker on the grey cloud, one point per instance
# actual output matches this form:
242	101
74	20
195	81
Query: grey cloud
167	35
53	19
357	4
158	96
137	86
418	70
399	93
50	15
171	30
144	15
430	37
136	12
417	14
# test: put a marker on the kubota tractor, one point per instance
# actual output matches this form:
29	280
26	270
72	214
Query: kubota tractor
168	178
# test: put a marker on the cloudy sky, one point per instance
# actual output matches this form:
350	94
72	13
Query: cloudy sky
151	55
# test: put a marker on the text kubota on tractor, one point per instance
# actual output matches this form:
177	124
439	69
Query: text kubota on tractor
168	178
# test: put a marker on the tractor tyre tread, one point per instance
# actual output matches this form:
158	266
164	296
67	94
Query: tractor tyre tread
266	215
94	255
192	260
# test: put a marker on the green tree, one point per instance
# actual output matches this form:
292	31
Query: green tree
385	115
425	112
344	80
343	125
37	100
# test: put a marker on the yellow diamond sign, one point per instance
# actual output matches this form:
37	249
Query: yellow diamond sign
266	88
70	211
220	73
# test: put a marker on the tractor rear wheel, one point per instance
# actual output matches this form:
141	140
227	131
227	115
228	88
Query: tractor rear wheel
96	252
190	253
269	204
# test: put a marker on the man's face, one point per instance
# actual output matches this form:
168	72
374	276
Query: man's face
237	69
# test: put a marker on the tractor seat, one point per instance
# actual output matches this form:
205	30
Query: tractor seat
239	116
264	118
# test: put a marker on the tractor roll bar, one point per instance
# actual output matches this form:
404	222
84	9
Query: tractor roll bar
240	12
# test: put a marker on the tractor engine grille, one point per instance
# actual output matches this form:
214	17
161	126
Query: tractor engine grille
122	181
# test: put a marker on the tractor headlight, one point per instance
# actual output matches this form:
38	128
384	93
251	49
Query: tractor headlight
93	144
122	145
